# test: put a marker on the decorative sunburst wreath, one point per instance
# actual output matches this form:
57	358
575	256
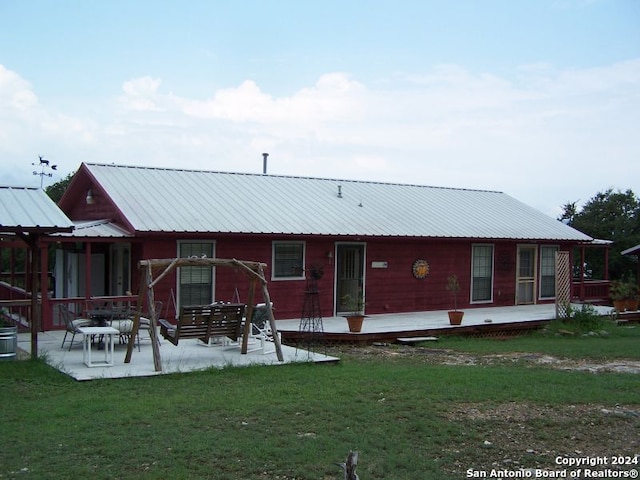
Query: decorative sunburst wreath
420	269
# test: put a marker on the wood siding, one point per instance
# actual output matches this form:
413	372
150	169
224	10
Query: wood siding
390	289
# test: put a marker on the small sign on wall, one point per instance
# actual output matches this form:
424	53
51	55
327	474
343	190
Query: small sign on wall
379	264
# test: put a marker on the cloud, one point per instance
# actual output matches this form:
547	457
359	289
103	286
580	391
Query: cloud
141	94
536	132
16	95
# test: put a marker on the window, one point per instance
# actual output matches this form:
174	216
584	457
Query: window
548	271
195	283
288	260
482	273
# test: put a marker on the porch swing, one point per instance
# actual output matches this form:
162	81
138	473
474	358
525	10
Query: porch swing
254	272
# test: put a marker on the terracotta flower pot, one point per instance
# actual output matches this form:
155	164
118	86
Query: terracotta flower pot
619	305
355	323
631	305
455	317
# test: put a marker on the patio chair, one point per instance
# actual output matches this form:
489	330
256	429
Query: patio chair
261	328
125	326
72	323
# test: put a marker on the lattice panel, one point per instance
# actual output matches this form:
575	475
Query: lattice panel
563	284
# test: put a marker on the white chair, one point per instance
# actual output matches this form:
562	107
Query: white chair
261	329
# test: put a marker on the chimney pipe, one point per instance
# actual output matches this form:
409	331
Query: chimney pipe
264	163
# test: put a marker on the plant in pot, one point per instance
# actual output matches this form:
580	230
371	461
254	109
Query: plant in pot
619	292
631	302
355	306
453	286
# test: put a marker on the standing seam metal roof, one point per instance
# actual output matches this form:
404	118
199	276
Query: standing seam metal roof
24	208
171	200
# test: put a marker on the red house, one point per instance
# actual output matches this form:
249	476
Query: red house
396	244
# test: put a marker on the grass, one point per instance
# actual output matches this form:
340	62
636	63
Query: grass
284	422
564	339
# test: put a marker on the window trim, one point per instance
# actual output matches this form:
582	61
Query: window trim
179	244
555	269
302	275
493	273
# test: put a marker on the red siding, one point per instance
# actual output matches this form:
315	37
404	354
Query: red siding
391	289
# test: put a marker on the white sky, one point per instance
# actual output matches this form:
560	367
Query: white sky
536	98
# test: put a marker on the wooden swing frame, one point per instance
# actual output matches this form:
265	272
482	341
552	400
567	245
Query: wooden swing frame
253	270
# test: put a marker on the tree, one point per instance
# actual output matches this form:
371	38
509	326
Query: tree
611	216
56	190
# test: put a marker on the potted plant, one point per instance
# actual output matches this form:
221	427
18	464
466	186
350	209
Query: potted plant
455	316
355	306
618	292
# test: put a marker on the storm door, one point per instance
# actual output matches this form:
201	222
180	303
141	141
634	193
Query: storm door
349	274
526	275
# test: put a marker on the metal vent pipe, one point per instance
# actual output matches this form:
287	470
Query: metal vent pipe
264	163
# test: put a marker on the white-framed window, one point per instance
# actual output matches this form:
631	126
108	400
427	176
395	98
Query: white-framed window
288	260
548	271
195	284
481	273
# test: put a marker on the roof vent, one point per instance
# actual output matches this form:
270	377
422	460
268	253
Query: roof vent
264	163
339	191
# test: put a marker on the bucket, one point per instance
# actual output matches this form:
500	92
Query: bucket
8	343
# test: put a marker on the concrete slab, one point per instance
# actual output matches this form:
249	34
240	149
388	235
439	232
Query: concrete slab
189	355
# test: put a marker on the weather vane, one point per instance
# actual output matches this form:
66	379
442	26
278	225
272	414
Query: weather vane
44	164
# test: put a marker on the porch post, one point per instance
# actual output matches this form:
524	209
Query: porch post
35	316
45	317
582	259
87	273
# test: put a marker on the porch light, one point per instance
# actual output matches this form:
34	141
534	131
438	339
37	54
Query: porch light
90	200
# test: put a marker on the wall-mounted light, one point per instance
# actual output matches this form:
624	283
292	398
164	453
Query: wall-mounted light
90	199
329	254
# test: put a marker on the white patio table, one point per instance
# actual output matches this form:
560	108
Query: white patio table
108	334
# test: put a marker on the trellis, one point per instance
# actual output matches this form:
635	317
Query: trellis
563	284
253	270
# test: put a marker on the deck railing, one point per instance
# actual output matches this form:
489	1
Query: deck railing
593	291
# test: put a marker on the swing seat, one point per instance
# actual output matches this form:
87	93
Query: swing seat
205	322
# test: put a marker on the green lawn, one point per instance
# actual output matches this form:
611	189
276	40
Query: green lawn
291	421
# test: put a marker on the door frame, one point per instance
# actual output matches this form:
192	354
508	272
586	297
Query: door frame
339	287
530	282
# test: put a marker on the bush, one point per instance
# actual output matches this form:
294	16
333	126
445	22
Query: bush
580	321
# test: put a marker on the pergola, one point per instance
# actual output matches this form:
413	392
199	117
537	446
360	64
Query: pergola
253	270
29	214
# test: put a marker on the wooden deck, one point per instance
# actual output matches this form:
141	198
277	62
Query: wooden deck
476	321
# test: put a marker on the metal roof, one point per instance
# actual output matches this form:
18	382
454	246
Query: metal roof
96	229
631	251
24	209
172	200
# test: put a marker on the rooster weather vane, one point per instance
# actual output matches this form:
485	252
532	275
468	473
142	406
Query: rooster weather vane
44	164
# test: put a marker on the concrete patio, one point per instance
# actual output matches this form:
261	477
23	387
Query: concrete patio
191	355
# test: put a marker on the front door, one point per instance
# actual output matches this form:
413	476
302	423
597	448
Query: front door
349	273
526	275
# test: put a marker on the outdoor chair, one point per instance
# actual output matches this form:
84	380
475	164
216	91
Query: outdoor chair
261	328
125	326
72	323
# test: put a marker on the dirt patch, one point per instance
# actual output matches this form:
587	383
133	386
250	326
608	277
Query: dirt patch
441	356
526	439
521	436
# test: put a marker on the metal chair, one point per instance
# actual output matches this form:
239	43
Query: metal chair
72	323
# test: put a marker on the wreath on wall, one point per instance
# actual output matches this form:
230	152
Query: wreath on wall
420	269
